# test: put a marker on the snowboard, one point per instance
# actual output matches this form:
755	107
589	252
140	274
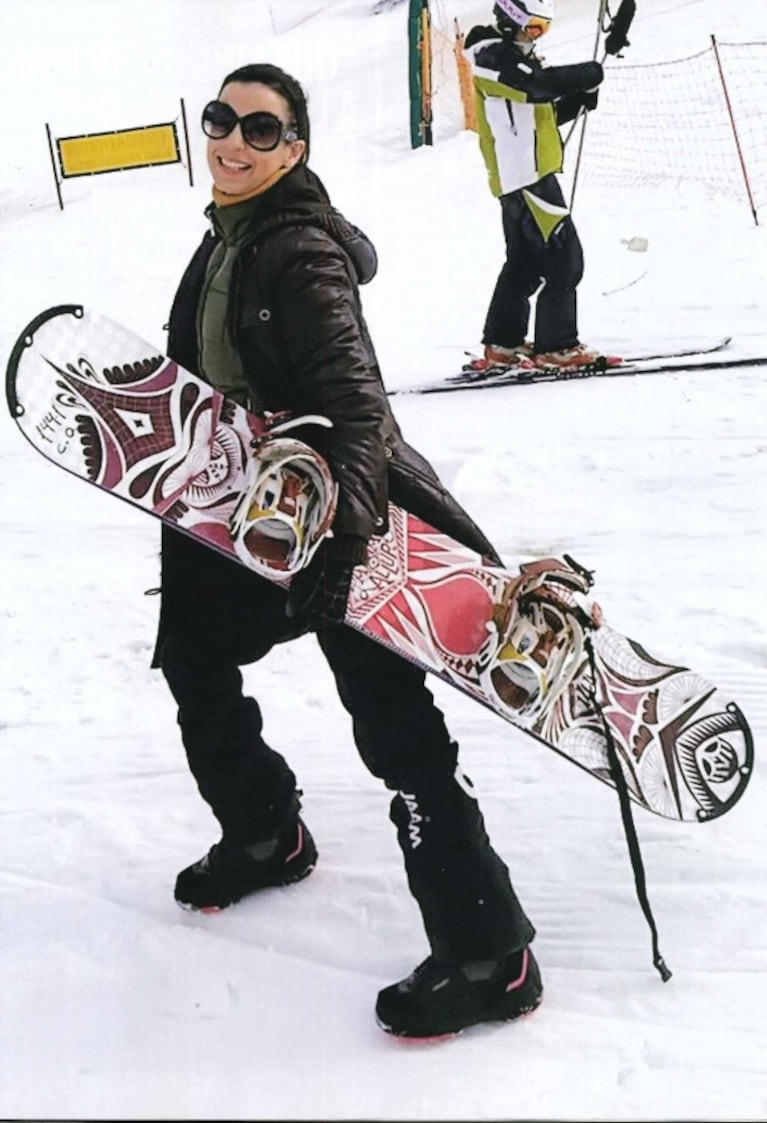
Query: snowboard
101	403
525	374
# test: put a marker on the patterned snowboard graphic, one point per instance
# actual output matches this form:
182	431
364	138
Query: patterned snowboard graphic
100	402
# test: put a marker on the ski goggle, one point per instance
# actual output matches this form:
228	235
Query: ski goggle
532	26
536	26
261	130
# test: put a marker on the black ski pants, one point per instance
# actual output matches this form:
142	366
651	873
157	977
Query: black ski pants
532	260
462	887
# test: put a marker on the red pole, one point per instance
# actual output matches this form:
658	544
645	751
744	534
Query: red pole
734	129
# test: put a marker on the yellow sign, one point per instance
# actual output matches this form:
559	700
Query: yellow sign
113	152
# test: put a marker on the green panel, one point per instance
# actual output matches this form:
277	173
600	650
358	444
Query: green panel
414	70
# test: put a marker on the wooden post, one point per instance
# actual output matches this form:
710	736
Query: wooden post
53	165
426	90
465	81
186	142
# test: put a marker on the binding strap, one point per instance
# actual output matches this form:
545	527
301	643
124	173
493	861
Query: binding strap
628	820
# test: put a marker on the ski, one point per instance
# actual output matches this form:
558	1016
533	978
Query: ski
677	352
658	348
524	375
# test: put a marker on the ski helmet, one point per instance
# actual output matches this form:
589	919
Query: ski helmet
286	508
531	16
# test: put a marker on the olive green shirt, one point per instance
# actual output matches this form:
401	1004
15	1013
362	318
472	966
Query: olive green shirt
220	361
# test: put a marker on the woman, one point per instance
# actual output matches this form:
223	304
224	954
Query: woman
269	312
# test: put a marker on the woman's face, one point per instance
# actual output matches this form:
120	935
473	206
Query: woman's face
236	167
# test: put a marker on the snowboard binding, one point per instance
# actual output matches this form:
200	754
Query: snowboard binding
536	638
288	503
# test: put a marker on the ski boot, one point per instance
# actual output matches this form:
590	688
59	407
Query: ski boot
577	357
497	358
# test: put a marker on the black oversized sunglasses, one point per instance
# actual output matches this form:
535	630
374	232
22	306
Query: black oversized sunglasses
260	130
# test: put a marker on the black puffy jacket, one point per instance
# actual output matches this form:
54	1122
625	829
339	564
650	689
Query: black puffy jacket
297	321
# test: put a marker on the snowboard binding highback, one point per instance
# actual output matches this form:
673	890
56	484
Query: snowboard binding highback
536	638
288	502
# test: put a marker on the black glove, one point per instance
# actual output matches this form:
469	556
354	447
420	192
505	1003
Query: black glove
321	591
589	98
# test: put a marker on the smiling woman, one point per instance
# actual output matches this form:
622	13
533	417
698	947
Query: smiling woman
269	312
252	139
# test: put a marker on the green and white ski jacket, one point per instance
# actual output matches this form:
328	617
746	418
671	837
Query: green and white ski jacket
519	105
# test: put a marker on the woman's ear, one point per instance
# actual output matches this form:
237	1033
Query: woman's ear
297	149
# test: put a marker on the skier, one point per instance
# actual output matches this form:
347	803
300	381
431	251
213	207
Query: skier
520	103
268	311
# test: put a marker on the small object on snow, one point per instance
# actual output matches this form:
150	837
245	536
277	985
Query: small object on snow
636	244
620	288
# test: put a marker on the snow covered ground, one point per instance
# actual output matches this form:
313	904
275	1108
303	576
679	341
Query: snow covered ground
116	1004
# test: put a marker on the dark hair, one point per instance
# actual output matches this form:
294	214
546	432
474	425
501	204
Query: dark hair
282	83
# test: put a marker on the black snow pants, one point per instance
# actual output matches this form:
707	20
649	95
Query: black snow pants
535	257
469	908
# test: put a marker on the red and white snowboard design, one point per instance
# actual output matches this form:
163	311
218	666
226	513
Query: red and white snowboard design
103	404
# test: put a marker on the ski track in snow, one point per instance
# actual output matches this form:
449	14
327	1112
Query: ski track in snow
116	1004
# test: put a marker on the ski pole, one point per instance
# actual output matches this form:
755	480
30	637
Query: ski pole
616	39
600	29
581	113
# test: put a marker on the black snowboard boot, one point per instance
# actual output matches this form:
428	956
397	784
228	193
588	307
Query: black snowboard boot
441	999
229	872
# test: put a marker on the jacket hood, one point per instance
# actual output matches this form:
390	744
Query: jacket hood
301	199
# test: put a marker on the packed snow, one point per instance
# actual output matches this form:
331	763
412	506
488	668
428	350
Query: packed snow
116	1004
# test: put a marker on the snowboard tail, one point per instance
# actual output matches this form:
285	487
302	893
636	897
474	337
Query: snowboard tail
106	406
